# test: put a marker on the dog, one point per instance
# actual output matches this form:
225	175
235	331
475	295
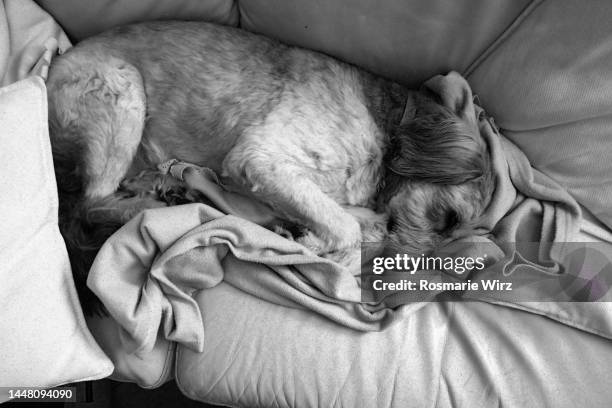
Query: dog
335	150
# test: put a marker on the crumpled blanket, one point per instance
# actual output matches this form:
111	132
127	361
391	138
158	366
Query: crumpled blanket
148	271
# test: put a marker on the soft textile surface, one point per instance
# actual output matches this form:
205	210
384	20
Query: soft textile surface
28	38
548	84
147	368
453	355
406	40
84	18
146	273
258	354
43	337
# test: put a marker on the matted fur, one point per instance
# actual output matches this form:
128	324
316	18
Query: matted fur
303	132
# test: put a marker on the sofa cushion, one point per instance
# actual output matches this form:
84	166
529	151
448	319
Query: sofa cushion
549	87
404	40
447	354
44	340
259	354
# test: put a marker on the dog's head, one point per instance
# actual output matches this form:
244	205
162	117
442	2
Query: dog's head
439	175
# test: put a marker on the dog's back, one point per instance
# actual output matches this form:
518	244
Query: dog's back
183	74
203	84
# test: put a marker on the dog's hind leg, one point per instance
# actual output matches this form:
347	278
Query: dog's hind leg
97	111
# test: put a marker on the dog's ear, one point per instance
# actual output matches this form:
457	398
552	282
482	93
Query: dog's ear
455	93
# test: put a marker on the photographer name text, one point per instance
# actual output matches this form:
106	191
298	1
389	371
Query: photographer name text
426	285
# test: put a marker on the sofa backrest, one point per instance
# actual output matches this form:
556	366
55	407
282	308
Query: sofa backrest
406	40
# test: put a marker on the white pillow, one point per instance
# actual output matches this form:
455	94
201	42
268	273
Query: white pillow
44	340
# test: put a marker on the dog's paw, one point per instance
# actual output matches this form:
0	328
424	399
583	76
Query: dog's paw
346	233
373	225
312	242
350	258
343	235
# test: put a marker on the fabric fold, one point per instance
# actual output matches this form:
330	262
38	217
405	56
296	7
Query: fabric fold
147	273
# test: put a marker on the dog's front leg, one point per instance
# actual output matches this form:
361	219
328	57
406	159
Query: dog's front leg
373	225
373	228
373	231
283	186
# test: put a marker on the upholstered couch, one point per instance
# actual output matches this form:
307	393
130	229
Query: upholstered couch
541	68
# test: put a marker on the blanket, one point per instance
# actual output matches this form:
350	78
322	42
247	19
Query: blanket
148	272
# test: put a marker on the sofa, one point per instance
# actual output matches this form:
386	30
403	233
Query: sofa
538	67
